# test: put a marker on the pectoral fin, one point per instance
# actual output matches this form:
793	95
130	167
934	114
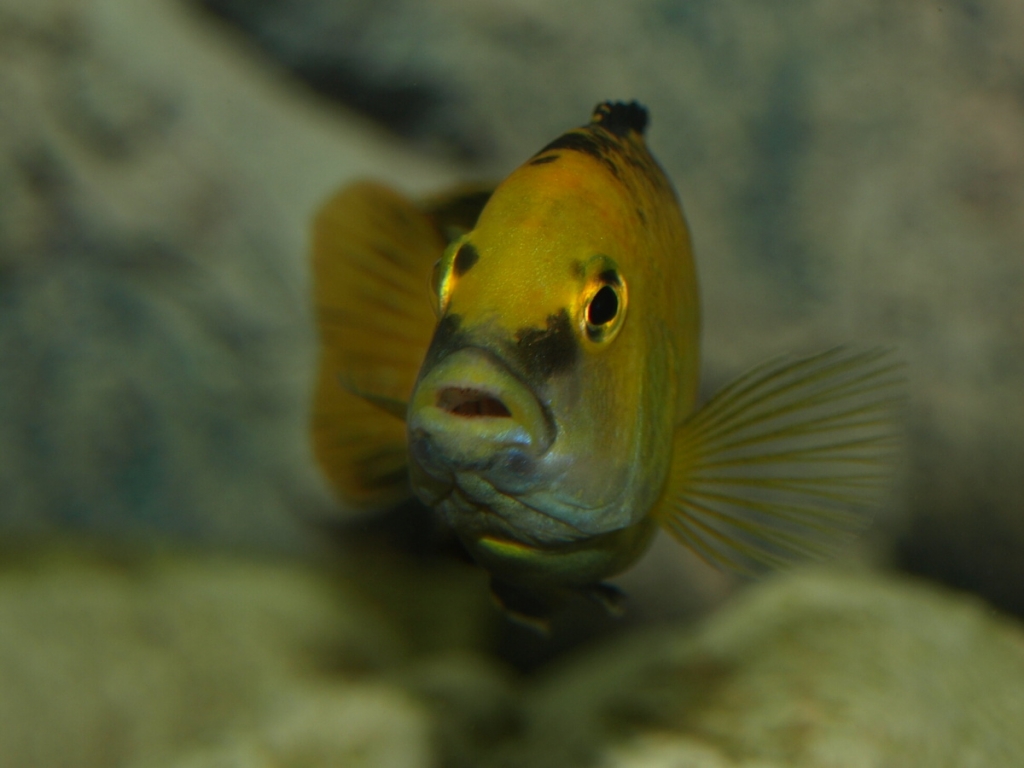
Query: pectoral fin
787	461
534	608
373	252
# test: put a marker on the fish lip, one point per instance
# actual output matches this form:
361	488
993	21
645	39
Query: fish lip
517	453
492	509
510	505
476	505
499	360
438	465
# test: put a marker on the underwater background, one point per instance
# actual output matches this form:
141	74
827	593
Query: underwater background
173	586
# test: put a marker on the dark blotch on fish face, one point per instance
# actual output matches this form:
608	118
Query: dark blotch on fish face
609	276
534	356
465	259
447	338
542	353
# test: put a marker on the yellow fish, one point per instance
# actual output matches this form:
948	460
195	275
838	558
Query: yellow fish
526	363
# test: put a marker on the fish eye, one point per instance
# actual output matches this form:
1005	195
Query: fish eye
603	308
602	312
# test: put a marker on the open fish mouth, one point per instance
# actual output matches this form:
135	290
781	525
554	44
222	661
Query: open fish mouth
468	402
484	445
471	413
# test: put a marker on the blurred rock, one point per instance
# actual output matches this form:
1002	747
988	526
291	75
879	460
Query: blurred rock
809	670
104	662
852	174
168	660
155	344
182	661
359	726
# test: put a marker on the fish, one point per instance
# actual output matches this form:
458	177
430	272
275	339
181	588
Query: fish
525	361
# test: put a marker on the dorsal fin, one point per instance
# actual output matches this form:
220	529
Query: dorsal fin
620	117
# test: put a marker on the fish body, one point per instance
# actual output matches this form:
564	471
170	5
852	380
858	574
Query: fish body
542	345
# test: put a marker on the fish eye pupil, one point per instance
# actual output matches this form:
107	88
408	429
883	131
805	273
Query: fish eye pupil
603	307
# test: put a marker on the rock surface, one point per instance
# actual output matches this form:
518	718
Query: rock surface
153	660
104	663
155	343
175	661
814	669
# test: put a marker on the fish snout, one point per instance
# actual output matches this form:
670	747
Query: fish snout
471	413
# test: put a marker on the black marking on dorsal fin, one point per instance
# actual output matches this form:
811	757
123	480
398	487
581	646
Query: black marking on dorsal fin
598	146
578	142
544	160
620	117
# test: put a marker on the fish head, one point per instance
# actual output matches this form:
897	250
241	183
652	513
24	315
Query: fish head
540	425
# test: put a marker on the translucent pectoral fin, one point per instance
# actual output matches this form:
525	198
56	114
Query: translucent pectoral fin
786	462
373	252
389	405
